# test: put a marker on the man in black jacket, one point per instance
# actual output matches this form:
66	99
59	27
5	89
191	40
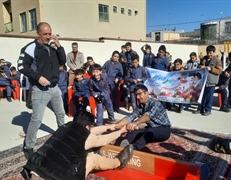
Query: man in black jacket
66	154
40	63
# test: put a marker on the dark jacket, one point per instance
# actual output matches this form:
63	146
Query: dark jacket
128	56
82	87
16	77
114	70
62	83
4	81
223	81
100	87
63	156
161	63
148	58
38	60
136	73
7	68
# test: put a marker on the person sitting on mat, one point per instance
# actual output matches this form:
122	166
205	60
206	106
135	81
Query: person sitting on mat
65	155
149	111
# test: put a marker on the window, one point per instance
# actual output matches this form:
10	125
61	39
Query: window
33	19
122	10
114	9
129	12
103	13
23	22
136	13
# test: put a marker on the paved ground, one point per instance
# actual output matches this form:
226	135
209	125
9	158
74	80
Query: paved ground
14	118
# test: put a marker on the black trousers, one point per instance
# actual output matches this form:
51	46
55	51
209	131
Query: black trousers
139	138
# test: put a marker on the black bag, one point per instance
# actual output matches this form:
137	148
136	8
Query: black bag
221	145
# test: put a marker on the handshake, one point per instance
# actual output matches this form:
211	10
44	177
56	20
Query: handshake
99	98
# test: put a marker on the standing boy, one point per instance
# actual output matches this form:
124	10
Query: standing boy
129	53
148	55
192	63
99	89
114	71
136	75
62	83
214	66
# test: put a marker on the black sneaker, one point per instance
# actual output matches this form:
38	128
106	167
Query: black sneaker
28	152
8	98
224	109
206	113
112	120
124	156
196	112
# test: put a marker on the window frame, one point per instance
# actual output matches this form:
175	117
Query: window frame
104	15
33	20
23	22
129	12
122	11
114	9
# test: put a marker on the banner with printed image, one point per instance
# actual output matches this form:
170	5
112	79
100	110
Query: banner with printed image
177	86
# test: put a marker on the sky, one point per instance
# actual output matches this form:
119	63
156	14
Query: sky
184	14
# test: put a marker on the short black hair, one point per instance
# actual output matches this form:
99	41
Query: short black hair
142	87
193	54
79	71
148	47
85	66
210	48
74	43
84	118
2	69
115	52
163	48
96	67
128	44
197	75
123	46
135	57
89	58
13	68
178	60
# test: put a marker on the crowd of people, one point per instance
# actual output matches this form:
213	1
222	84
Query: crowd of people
51	73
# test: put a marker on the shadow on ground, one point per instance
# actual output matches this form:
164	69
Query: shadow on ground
23	120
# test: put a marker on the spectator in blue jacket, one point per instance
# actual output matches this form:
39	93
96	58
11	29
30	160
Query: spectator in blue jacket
99	89
81	85
62	84
148	55
161	61
129	53
136	75
6	65
5	82
15	74
123	51
114	71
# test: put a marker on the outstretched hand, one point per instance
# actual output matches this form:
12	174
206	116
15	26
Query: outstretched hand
132	126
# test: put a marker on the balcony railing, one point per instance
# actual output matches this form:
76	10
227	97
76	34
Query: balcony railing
8	27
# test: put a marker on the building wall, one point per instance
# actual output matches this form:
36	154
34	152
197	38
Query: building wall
100	51
80	18
19	7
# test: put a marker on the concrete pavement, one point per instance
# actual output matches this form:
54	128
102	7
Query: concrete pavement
15	118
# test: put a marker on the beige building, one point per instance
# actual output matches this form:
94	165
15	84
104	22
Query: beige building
76	18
